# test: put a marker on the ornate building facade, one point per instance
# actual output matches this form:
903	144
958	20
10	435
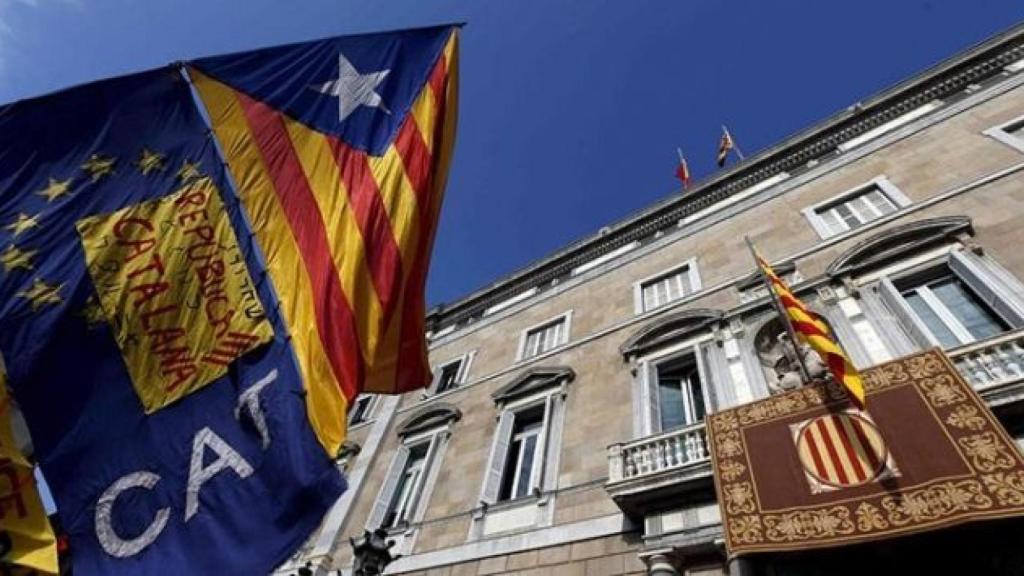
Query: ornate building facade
564	430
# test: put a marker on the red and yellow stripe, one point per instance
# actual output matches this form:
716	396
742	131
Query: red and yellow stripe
809	326
842	450
346	236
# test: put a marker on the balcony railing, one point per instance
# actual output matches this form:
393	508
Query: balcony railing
993	362
653	454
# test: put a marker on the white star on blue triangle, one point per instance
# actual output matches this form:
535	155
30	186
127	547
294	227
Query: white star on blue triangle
353	89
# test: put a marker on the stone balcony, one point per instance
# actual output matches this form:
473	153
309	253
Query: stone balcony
994	367
646	473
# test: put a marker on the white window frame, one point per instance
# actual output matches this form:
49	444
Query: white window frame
692	275
407	500
371	408
649	423
1001	133
495	516
941	311
887	188
539	454
405	531
466	361
564	335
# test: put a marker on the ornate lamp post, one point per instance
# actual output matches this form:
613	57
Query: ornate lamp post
372	553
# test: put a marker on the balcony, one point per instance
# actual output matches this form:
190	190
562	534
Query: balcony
994	367
658	469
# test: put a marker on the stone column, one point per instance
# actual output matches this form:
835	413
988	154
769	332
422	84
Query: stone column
660	563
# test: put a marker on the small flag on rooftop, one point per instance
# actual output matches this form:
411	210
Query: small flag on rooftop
683	171
725	146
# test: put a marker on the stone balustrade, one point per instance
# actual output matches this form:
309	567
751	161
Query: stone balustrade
993	362
653	454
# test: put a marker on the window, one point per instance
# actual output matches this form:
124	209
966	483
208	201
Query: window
408	485
401	501
544	337
950	311
448	378
680	399
666	287
522	467
855	208
1010	133
524	454
362	410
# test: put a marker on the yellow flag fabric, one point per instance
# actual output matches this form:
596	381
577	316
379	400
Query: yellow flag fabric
813	330
174	286
22	516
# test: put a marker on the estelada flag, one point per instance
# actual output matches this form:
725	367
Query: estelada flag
813	329
340	150
725	146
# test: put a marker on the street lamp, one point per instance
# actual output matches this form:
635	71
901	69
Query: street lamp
372	553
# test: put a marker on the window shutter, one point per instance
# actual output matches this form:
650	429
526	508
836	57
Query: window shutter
555	422
639	403
386	494
540	458
651	398
988	287
708	370
894	301
417	492
499	453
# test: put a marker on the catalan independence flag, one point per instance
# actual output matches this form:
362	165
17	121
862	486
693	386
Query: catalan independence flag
810	326
339	150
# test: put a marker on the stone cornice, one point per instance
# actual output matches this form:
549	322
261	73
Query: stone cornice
945	81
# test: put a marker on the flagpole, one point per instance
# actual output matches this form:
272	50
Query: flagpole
781	311
733	140
680	152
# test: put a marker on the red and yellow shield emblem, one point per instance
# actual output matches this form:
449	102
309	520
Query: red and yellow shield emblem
841	450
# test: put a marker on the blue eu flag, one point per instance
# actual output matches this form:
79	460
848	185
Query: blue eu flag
142	342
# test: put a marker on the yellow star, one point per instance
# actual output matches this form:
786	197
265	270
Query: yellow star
22	223
13	258
99	166
93	312
56	189
189	171
150	161
41	294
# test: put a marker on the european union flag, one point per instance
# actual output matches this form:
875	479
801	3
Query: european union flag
142	339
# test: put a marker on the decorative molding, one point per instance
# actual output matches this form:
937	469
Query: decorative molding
428	418
670	329
532	381
897	243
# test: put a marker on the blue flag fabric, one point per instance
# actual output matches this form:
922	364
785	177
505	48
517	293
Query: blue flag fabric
110	195
339	86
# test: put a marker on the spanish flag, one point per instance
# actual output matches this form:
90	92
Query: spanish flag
809	326
340	149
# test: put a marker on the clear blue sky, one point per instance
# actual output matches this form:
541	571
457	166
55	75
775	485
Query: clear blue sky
571	111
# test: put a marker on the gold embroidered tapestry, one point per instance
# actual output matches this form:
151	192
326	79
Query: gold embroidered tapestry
806	469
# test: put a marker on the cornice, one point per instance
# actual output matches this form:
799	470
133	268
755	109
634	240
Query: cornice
945	81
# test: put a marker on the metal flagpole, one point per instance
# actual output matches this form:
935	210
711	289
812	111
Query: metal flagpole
804	372
733	140
680	152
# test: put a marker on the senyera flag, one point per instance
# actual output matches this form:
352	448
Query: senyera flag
340	150
810	326
184	344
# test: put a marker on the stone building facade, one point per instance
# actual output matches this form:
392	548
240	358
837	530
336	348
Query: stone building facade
563	432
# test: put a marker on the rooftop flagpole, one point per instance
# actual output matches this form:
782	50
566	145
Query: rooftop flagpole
733	140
